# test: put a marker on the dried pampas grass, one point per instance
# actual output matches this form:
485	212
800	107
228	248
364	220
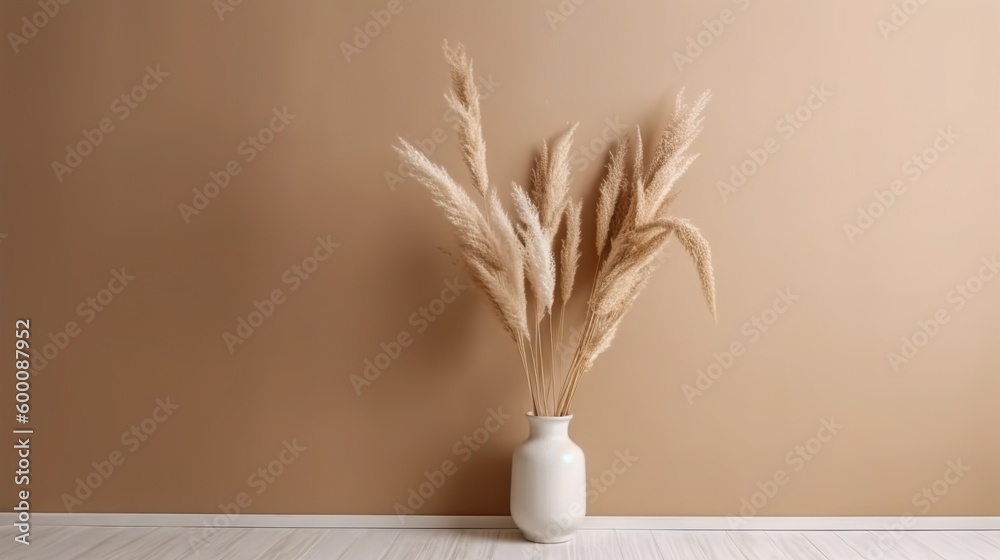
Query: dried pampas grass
505	258
570	255
464	101
490	250
610	190
539	262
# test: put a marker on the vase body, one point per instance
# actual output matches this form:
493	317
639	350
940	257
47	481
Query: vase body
548	482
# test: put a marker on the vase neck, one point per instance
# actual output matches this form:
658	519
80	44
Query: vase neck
548	426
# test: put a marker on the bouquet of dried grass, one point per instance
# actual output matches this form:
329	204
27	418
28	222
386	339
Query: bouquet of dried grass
521	264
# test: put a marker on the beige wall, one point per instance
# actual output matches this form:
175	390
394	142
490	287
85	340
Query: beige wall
825	358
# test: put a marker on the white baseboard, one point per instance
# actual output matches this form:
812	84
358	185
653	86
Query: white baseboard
873	523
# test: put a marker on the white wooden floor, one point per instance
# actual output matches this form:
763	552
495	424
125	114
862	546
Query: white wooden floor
108	543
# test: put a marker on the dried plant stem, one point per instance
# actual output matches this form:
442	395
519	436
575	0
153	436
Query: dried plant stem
553	371
572	377
556	364
578	373
540	365
576	367
545	374
548	391
527	376
535	390
573	366
555	380
567	380
548	372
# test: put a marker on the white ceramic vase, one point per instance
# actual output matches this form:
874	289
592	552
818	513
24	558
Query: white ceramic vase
548	481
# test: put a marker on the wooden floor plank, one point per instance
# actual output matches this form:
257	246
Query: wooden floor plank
37	536
989	536
408	544
41	539
637	545
944	547
77	538
595	544
475	544
718	544
238	544
164	543
209	537
511	545
832	546
972	543
7	534
871	545
440	544
333	543
756	545
294	546
150	539
112	541
171	543
371	544
795	545
678	545
911	548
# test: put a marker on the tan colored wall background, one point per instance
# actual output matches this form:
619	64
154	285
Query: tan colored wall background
324	174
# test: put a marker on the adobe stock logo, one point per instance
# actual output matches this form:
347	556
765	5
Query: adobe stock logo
31	26
913	168
421	319
928	329
122	106
900	16
464	448
695	45
753	329
261	480
88	309
583	155
796	459
563	12
250	149
131	439
365	33
294	277
934	492
787	126
225	7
